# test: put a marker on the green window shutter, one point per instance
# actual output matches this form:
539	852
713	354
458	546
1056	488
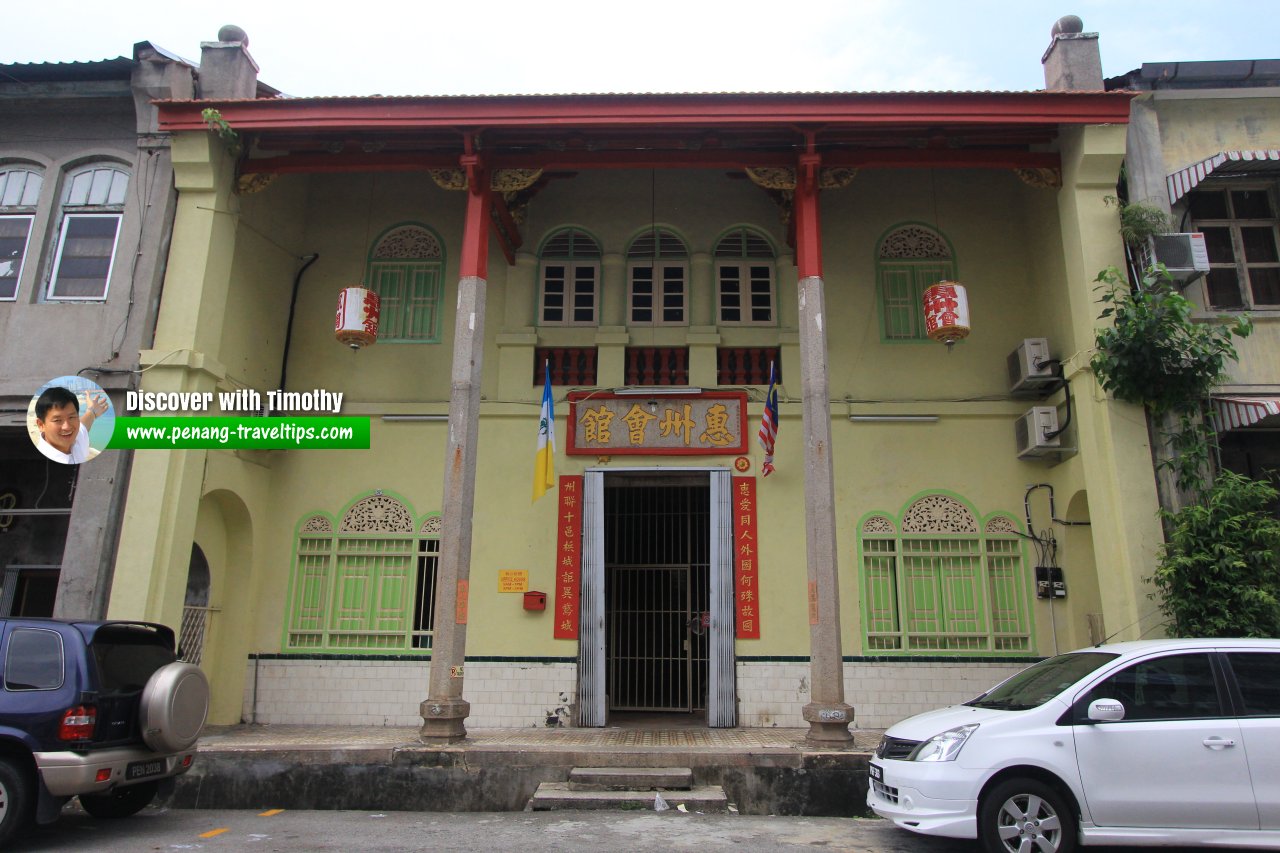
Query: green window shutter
409	300
880	573
898	300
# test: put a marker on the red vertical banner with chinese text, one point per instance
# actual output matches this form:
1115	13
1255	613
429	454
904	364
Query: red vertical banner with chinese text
568	559
746	551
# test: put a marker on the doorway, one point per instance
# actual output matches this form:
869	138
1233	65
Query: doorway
657	593
657	619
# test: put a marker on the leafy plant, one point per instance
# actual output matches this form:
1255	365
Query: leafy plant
1219	575
1154	354
230	139
1139	220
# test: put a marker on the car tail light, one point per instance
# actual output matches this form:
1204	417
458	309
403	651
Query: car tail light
78	723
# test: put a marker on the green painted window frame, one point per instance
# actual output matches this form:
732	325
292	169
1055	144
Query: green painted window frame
961	593
361	592
409	288
901	280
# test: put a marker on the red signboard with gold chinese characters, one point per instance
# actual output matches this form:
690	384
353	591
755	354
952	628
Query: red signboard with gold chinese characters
746	549
657	424
568	559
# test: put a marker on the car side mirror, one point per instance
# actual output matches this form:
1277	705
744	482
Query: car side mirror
1106	710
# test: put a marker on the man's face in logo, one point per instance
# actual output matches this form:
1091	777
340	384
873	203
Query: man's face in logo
60	426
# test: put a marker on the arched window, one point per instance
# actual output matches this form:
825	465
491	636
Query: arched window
909	260
367	586
92	205
19	195
658	277
569	279
744	278
405	268
939	580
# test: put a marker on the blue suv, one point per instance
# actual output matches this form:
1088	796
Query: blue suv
99	710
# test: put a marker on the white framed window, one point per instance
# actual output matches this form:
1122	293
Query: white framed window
1240	233
658	279
406	267
744	278
569	279
19	195
88	233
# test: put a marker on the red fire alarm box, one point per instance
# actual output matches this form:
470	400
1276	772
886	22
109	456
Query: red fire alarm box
534	600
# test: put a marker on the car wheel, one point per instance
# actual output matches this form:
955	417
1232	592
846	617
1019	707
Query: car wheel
15	799
175	704
120	802
1026	816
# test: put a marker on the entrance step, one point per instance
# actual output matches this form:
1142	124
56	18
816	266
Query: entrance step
630	778
558	795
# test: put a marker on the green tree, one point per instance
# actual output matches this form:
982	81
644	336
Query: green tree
1219	575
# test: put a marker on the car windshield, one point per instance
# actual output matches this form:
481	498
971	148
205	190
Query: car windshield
1037	684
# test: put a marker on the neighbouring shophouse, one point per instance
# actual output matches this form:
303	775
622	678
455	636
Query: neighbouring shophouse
1204	145
86	209
656	254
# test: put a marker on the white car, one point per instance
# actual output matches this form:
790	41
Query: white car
1162	742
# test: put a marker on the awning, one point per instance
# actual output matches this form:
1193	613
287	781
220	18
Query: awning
1184	181
1240	412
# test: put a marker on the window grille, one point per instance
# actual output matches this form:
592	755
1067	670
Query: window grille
908	261
747	365
938	583
568	365
657	365
405	269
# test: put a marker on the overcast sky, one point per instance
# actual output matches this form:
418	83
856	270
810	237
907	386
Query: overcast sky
395	47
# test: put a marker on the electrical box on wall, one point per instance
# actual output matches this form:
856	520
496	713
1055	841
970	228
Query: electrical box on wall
1032	432
1030	370
1049	582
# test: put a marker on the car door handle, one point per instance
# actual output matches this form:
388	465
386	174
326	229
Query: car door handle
1218	742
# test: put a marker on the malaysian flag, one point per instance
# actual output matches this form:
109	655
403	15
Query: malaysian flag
769	425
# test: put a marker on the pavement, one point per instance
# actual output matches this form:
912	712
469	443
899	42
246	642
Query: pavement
763	770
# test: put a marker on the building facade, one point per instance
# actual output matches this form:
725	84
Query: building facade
657	256
1204	146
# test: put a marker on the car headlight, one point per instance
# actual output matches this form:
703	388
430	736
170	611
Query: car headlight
945	746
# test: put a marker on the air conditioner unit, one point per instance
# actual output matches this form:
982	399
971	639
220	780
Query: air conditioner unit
1030	371
1031	431
1185	256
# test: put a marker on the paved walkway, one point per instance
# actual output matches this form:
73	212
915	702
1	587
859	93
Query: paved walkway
257	738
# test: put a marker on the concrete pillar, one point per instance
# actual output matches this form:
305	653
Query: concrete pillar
827	714
444	712
227	71
1072	61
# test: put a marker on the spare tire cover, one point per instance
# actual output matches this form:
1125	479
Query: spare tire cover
175	704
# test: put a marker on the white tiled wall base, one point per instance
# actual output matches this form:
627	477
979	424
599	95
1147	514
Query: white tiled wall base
881	693
519	695
388	693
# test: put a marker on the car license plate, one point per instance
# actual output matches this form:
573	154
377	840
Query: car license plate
876	773
143	769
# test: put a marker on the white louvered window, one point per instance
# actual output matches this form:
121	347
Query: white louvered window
569	279
19	195
658	276
91	209
744	278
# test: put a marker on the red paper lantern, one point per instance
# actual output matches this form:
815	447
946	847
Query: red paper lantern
946	312
356	324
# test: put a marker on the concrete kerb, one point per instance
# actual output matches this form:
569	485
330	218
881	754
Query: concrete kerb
763	771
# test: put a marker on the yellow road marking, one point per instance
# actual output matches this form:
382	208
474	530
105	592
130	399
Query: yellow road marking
211	833
271	813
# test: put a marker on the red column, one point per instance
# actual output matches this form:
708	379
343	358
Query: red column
805	210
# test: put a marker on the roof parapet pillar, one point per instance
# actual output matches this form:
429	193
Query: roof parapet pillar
1072	61
227	71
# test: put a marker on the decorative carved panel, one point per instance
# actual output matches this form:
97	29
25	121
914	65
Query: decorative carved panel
377	514
912	242
431	527
1001	525
408	242
938	514
878	524
317	524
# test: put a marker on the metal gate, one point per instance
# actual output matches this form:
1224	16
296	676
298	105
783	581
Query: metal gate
657	592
